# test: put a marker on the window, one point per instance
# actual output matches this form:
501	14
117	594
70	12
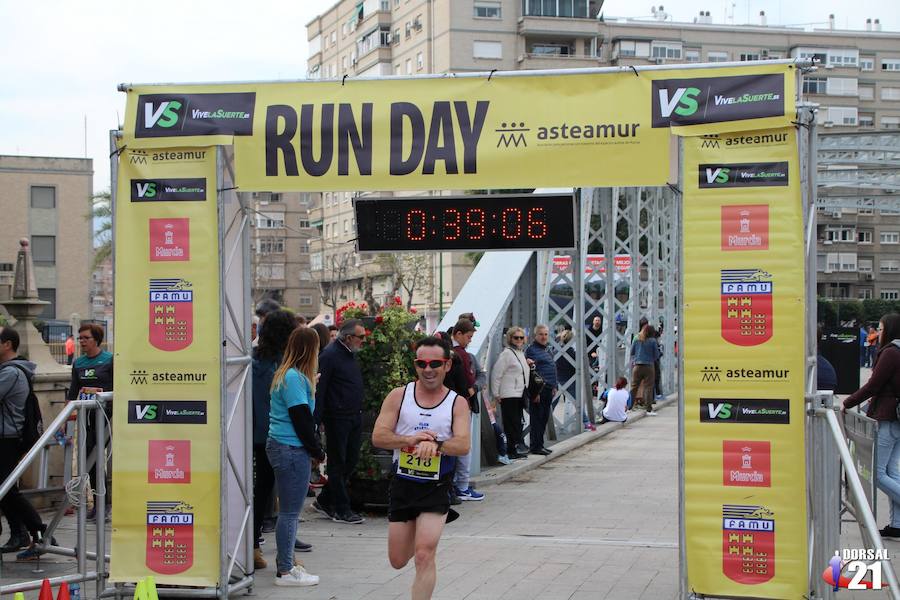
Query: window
333	38
865	211
864	293
487	10
557	8
373	39
847	261
48	295
631	48
43	250
346	226
841	86
315	261
487	49
864	236
890	64
865	265
270	220
866	92
866	64
43	196
838	115
811	54
832	262
303	223
890	93
890	122
840	234
344	63
305	300
890	237
843	58
749	56
270	271
396	38
717	57
409	66
890	295
669	50
420	61
270	245
552	49
889	265
815	85
315	45
692	56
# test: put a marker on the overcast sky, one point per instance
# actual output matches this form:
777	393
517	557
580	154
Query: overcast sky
61	60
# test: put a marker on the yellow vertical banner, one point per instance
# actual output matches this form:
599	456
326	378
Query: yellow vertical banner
745	514
166	421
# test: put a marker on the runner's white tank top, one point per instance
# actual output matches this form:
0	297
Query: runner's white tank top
413	418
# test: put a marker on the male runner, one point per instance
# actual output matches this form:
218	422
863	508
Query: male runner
427	427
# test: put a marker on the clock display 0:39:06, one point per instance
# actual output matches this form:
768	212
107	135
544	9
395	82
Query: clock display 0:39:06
464	223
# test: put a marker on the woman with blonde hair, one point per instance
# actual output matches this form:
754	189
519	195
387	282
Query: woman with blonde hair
509	380
292	442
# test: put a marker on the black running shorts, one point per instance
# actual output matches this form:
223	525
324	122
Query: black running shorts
409	499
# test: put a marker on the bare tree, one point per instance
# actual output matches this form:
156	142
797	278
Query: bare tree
410	272
335	274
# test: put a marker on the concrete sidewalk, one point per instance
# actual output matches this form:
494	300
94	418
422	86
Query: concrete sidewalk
598	521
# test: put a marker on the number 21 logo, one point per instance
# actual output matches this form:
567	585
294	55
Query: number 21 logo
858	569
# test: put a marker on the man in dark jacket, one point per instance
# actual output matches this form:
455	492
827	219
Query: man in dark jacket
15	373
539	408
339	398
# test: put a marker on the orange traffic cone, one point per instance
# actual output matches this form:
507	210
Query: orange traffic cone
63	591
46	592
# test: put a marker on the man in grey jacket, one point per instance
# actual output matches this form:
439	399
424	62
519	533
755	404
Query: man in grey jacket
15	373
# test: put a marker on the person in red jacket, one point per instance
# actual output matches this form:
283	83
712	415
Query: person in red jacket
884	387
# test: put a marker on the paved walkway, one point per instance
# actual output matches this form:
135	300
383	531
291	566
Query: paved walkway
598	522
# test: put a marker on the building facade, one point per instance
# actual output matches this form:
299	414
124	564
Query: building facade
280	238
857	82
47	200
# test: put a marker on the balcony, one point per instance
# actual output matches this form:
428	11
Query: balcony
529	25
531	61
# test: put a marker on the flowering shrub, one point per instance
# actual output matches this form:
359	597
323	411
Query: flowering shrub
386	360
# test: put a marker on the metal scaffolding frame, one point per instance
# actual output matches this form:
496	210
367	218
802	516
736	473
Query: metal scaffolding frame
636	222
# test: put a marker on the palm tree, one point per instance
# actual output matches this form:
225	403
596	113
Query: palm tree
101	218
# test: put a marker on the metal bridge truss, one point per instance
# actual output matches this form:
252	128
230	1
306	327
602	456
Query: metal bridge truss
635	224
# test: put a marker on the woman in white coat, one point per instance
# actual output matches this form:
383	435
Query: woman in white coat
509	380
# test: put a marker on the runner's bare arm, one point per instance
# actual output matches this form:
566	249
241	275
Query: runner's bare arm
458	445
383	435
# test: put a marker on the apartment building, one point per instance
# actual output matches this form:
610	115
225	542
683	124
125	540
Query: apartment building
47	200
280	238
857	82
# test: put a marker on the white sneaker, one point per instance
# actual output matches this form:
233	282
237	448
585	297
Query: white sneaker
652	413
503	459
298	577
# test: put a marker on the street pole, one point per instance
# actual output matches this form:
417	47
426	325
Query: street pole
440	286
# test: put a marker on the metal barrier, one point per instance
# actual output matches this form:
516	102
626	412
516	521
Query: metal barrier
829	451
55	336
99	573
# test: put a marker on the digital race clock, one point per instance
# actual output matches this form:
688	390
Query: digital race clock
495	222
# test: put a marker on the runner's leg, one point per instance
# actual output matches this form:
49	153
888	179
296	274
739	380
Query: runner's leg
401	542
429	527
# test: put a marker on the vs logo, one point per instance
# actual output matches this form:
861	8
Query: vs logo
146	189
165	114
718	175
683	102
144	413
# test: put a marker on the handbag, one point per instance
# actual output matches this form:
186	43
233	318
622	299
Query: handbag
535	384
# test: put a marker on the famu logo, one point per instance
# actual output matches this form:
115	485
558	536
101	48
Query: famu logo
163	115
717	99
168	190
743	175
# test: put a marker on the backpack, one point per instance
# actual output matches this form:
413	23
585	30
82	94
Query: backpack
33	425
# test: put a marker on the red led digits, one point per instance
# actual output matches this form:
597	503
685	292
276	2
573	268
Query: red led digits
451	224
415	225
511	223
475	221
537	223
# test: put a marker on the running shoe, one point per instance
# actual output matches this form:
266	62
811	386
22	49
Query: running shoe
503	459
348	517
302	546
469	495
322	510
296	577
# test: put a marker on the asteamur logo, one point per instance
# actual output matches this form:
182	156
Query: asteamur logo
717	99
515	134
